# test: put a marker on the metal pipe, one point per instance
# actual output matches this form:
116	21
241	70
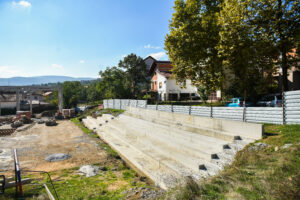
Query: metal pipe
49	179
18	174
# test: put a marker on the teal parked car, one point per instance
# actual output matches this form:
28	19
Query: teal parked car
238	102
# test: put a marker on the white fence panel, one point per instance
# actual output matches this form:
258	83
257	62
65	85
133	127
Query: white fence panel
234	113
167	108
151	107
292	107
111	103
200	111
270	115
290	114
141	103
124	103
181	109
133	103
105	104
117	103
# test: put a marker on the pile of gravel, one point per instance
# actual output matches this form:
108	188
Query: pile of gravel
57	157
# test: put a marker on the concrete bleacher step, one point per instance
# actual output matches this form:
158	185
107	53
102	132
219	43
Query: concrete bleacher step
158	172
152	152
203	131
194	143
167	151
178	132
201	148
190	161
164	157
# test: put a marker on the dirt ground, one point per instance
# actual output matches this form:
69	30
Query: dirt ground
40	141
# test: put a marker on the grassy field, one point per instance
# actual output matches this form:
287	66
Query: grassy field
272	172
108	184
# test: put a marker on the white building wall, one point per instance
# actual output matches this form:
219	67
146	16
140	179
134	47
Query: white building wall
169	86
175	88
163	90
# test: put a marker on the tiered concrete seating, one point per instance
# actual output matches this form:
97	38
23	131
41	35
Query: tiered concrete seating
164	153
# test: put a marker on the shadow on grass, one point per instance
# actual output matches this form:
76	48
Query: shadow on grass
267	134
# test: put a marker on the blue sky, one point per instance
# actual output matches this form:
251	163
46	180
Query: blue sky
78	37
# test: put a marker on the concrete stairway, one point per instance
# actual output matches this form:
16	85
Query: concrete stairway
164	154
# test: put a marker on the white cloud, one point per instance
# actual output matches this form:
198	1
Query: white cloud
82	61
158	55
123	56
56	66
22	3
149	46
9	71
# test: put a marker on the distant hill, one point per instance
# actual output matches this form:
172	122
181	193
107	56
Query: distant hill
38	80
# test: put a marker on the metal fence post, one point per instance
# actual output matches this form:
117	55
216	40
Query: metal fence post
211	111
283	108
190	110
244	114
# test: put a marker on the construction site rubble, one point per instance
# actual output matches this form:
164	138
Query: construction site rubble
25	120
50	122
17	124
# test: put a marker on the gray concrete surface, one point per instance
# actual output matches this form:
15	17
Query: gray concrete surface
220	127
167	147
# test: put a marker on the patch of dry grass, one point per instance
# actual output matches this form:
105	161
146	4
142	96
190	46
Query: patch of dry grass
269	173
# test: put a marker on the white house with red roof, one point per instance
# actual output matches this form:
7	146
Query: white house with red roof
163	83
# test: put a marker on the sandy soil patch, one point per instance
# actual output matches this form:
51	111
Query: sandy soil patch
40	141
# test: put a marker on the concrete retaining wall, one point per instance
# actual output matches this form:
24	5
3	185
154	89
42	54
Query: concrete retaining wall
221	126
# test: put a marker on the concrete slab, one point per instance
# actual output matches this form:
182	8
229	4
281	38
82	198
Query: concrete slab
166	147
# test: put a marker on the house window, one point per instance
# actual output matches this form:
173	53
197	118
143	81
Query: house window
160	85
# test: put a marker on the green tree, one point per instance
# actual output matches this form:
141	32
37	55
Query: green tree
113	84
73	93
192	43
93	94
237	49
252	40
279	22
135	73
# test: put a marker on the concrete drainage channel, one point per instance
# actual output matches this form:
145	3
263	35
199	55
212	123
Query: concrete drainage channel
166	147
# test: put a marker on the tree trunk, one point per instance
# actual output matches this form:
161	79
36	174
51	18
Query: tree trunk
283	50
284	66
